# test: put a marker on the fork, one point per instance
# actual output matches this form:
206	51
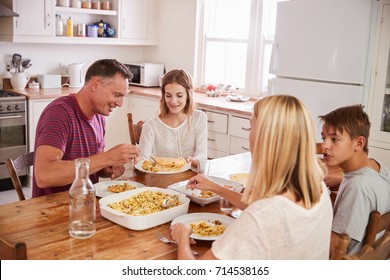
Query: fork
166	240
153	160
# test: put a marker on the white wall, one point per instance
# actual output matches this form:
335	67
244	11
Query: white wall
45	58
176	35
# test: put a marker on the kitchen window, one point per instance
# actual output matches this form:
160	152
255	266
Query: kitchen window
235	43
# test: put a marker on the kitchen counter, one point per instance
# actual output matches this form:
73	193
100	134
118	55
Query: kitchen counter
200	99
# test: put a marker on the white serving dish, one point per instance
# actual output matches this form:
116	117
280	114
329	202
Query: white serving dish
146	221
194	194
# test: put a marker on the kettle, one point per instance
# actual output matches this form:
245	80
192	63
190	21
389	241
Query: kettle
76	74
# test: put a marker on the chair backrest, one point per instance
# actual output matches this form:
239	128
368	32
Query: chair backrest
16	165
319	148
134	129
341	248
12	252
376	224
380	250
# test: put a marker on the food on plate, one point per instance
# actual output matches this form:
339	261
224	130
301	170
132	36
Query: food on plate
208	228
241	178
163	164
144	203
120	188
149	166
205	194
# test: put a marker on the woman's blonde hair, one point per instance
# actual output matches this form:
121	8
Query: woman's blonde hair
182	78
283	156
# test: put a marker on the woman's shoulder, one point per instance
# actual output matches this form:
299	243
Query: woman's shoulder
151	120
198	114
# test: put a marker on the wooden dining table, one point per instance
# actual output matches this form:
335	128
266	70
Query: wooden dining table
42	223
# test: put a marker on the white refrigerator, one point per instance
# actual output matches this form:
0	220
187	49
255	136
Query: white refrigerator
321	53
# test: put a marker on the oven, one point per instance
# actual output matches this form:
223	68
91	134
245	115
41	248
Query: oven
13	129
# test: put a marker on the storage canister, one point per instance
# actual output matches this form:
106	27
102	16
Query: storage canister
92	30
81	30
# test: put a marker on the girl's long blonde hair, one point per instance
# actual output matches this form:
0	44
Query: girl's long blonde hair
284	152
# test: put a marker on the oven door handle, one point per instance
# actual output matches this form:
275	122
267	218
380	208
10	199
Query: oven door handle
11	117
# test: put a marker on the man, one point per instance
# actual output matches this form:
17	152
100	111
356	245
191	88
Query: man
73	127
365	185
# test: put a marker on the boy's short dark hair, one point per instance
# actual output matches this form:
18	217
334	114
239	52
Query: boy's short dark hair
352	119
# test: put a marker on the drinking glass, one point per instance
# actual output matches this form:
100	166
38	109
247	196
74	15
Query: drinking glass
203	167
225	205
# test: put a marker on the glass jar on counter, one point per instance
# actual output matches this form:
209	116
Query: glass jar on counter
64	3
86	4
105	4
76	4
95	4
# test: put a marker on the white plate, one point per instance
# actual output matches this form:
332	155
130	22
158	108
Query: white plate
186	166
194	194
237	98
101	187
241	178
197	217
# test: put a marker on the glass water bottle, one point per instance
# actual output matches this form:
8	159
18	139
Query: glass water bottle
82	203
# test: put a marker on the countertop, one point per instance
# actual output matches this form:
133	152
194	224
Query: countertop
200	99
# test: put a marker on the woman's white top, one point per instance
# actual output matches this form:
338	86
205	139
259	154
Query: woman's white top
276	228
188	139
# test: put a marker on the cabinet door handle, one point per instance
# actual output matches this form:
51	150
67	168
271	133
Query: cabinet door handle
245	128
244	148
209	139
48	20
123	23
210	121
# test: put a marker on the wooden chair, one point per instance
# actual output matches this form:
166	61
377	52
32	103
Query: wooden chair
17	165
319	148
380	250
341	248
134	129
13	252
376	224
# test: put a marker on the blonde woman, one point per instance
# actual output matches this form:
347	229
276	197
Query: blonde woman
289	212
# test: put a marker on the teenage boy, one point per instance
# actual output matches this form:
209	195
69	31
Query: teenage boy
366	182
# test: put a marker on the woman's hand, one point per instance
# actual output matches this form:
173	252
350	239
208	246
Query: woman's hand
181	234
200	182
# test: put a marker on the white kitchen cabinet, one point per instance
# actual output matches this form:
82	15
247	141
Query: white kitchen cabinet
35	109
217	139
379	103
227	133
117	129
239	128
35	18
142	107
138	19
134	21
217	122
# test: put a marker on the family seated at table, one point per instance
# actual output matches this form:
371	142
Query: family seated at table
287	212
